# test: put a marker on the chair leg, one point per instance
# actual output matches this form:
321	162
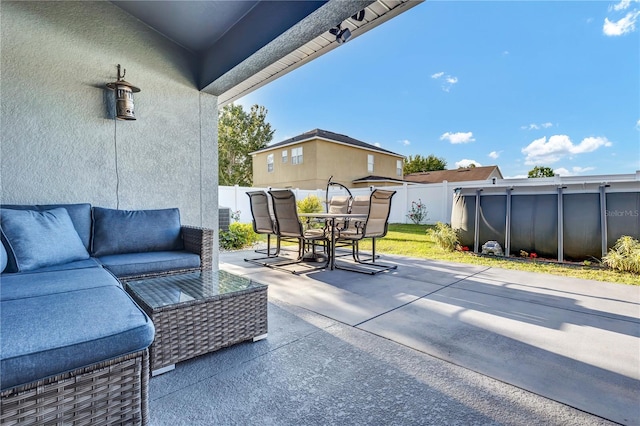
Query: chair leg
268	249
300	259
375	268
268	253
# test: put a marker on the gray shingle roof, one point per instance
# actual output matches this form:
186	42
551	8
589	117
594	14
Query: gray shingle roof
325	134
455	175
377	178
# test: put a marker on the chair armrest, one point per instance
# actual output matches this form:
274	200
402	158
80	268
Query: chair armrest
200	241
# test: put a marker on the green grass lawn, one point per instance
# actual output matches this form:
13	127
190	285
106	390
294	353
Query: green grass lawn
412	240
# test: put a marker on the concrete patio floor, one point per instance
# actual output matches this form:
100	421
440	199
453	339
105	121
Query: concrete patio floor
430	343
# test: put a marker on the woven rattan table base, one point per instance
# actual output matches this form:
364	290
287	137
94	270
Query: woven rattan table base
188	330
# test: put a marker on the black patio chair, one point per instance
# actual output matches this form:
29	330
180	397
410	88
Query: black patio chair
374	226
289	228
263	223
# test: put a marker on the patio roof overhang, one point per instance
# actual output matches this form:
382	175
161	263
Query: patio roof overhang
238	47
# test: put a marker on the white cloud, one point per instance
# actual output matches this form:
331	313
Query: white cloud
580	170
574	171
377	144
459	137
591	144
447	82
534	126
517	177
405	142
638	125
623	5
541	151
495	154
622	26
467	163
505	53
450	82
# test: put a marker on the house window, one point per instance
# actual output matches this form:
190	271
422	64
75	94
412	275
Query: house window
399	167
270	163
296	155
285	156
370	163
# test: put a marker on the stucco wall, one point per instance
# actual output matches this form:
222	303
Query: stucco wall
60	142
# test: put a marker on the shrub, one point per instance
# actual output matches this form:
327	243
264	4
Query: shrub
444	236
625	255
418	212
238	236
311	204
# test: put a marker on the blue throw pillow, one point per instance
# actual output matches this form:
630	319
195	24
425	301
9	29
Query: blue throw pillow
39	239
135	231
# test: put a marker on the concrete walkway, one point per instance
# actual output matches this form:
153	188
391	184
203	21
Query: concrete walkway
428	343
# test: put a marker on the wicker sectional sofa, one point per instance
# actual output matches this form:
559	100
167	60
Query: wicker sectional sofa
73	344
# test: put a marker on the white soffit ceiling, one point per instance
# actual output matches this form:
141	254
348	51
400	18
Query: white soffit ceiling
375	14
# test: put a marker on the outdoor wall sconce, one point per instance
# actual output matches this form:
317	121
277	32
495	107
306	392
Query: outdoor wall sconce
124	96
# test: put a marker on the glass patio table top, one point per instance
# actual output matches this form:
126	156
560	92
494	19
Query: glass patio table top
187	287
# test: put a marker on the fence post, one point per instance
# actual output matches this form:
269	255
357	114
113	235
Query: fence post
603	218
476	231
445	202
405	201
507	232
236	188
560	225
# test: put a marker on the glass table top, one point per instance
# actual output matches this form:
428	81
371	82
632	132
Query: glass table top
173	289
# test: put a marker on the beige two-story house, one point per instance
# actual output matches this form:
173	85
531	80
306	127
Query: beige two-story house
308	160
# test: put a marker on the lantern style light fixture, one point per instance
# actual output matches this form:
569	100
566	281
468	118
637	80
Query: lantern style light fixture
124	96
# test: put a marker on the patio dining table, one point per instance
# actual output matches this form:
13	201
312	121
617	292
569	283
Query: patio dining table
331	219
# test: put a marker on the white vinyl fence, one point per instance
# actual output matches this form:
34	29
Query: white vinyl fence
437	197
235	198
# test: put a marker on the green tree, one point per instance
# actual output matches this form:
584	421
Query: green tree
239	133
541	172
423	164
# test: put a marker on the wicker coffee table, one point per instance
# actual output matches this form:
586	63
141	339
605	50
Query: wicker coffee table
199	312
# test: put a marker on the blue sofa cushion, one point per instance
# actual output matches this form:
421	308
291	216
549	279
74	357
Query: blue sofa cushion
39	239
92	262
52	334
11	260
123	265
35	284
3	258
80	216
135	231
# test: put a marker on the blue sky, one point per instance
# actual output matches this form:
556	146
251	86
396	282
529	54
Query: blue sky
516	84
